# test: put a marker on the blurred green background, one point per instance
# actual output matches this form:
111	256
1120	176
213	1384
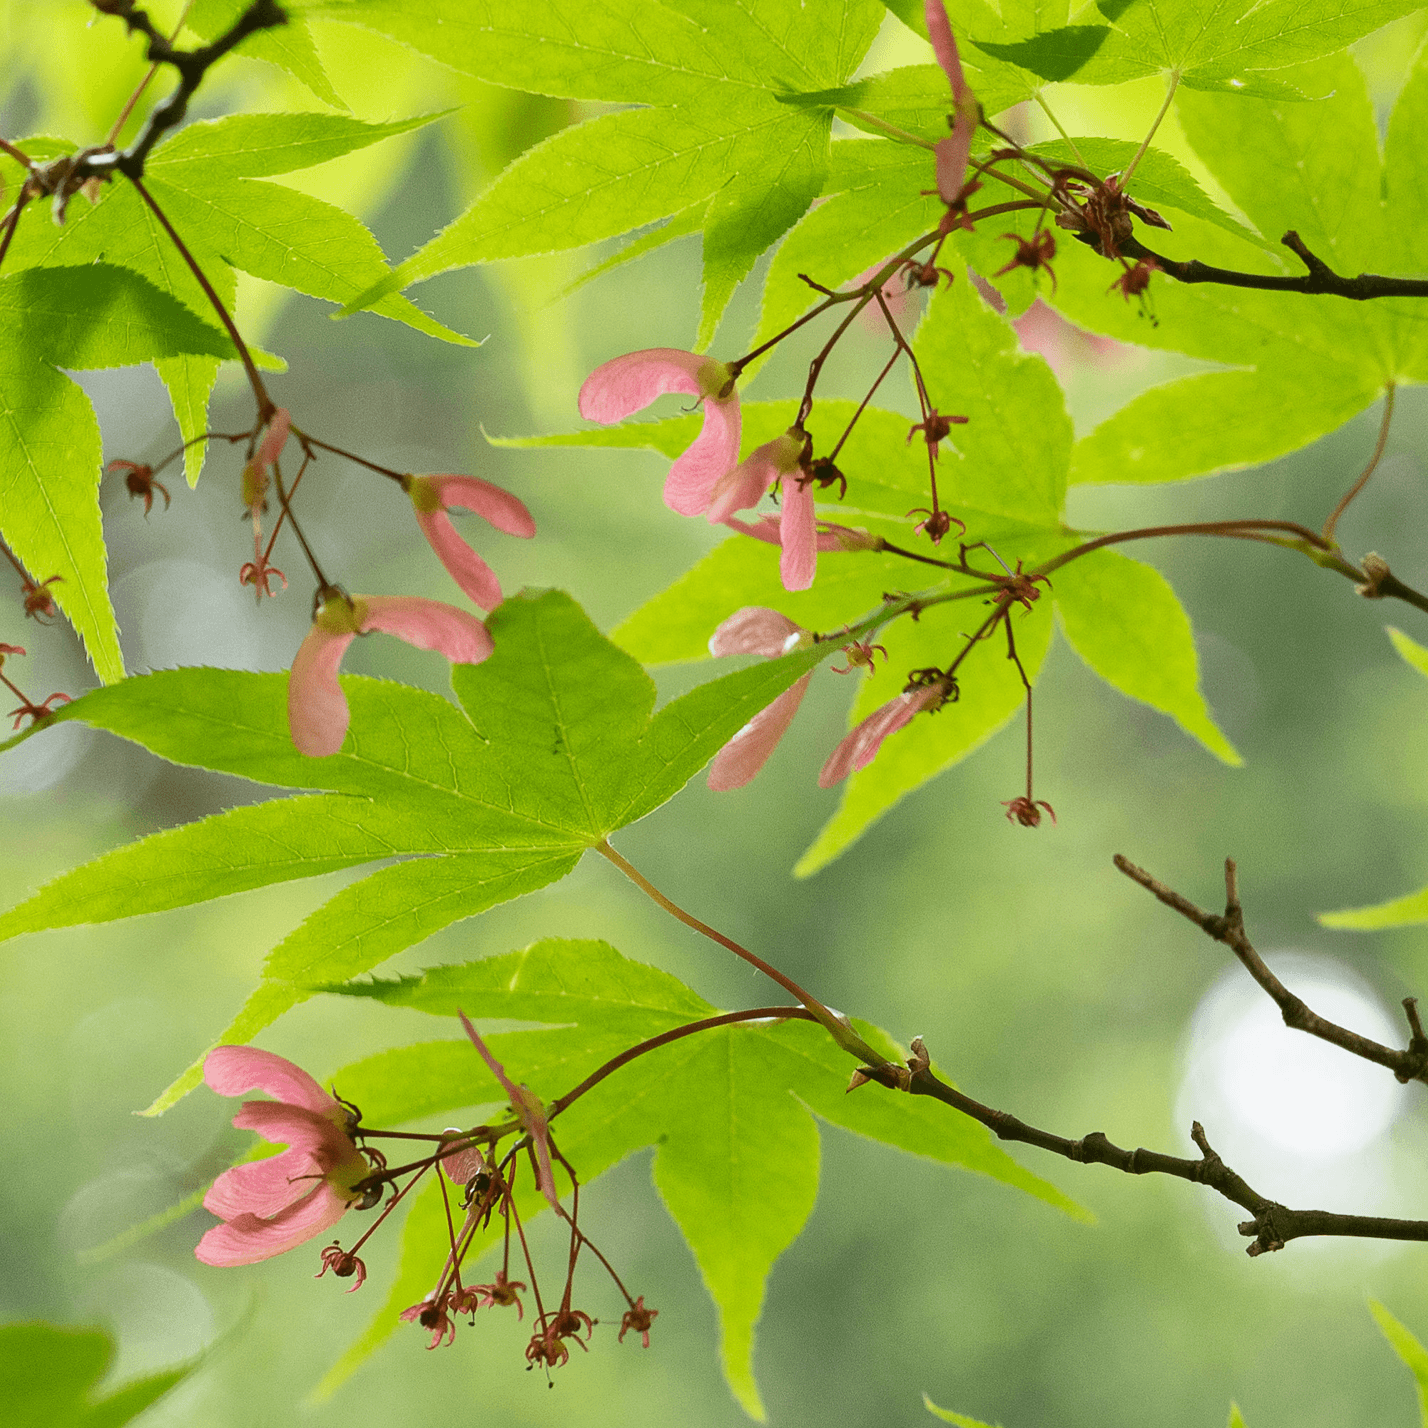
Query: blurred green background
1045	982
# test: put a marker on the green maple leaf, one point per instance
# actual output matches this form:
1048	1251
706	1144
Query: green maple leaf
288	46
50	451
717	129
730	1112
1314	362
49	1375
1229	45
206	178
1006	480
556	746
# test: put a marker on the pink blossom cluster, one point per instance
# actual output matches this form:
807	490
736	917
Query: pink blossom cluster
317	708
758	631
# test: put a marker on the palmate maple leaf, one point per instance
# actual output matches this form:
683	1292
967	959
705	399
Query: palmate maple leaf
556	746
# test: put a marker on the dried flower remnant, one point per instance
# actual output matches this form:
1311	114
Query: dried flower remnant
935	428
317	708
271	1206
627	384
860	655
1026	812
433	496
139	482
37	712
502	1291
431	1314
638	1318
528	1111
258	573
755	630
39	600
1035	253
1135	280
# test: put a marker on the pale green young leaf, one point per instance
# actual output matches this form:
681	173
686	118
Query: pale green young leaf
1213	422
213	151
190	382
620	51
50	453
948	1416
558	980
669	436
289	238
728	1109
559	751
676	624
246	847
568	717
917	99
758	205
1408	1347
991	692
1313	362
1123	619
1310	167
1237	1419
371	920
288	46
120	229
1405	173
600	179
1413	907
1017	442
681	225
877	206
787	44
1231	44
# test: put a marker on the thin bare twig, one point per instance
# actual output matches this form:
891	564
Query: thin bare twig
1229	927
1388	395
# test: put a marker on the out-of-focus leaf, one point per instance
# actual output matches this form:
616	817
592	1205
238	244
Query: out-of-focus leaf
948	1416
49	1373
50	452
1409	1348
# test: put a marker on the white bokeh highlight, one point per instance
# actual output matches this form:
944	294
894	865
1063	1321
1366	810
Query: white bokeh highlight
1304	1122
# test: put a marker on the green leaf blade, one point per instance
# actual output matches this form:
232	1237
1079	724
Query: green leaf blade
1125	622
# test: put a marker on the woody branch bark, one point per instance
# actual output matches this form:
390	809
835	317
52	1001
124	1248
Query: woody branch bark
1320	278
1229	927
1272	1225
